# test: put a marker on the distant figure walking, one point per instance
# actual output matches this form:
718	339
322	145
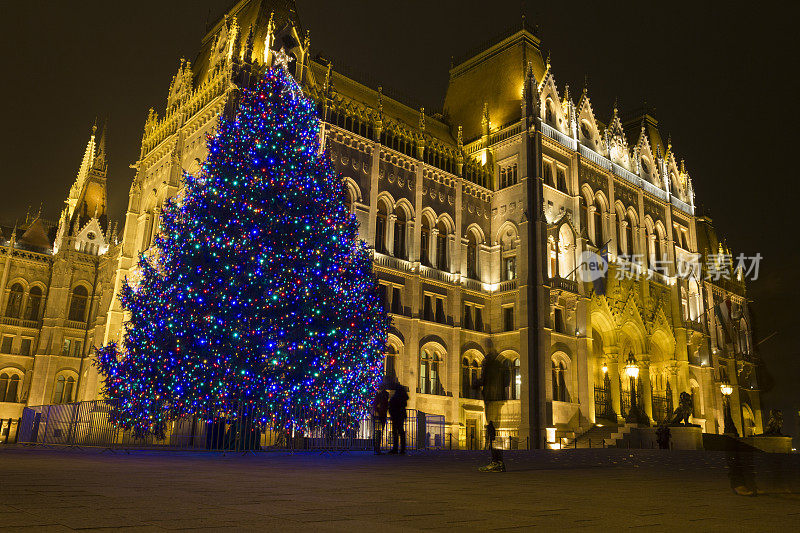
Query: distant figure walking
397	409
380	408
497	464
491	434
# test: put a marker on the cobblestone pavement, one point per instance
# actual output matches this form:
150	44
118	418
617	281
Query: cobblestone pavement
65	489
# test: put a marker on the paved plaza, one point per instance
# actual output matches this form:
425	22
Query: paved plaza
66	489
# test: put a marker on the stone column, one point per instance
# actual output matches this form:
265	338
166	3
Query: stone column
389	238
647	393
433	247
373	194
590	229
613	374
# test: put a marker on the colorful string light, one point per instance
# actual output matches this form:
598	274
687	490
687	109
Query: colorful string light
260	290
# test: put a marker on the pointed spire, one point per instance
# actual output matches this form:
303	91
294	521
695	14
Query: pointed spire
269	41
422	118
88	157
247	53
585	84
100	159
271	24
327	85
378	127
460	151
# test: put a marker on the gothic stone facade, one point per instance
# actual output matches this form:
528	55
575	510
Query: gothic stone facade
478	215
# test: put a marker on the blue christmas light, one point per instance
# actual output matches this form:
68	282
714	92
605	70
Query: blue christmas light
260	289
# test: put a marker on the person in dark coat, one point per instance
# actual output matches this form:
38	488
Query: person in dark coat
397	410
380	408
491	434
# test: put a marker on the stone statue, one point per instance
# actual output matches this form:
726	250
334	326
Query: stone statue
774	423
684	410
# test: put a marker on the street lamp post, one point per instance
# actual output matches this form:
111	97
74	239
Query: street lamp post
730	426
635	414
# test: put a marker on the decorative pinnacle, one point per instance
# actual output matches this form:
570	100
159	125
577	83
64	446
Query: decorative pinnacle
461	137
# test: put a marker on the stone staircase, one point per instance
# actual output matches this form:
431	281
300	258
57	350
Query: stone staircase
596	436
618	436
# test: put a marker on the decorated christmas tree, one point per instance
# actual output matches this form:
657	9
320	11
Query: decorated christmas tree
259	291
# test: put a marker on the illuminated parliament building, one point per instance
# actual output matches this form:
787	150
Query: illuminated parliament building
478	213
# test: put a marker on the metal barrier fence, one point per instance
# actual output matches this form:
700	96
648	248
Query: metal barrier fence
89	424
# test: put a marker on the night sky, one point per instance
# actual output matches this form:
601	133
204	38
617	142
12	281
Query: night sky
721	80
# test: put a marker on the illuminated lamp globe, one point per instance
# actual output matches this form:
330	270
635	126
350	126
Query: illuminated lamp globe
631	368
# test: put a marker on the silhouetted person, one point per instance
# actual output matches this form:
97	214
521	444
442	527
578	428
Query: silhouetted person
497	464
491	434
380	408
397	410
741	469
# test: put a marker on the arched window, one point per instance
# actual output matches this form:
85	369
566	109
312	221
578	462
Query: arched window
380	229
77	306
58	392
566	253
466	384
8	387
34	303
441	248
744	336
584	209
552	257
629	249
547	168
475	375
4	379
425	243
400	234
694	303
658	253
508	254
561	180
470	378
348	200
390	369
548	112
429	377
597	216
512	380
472	256
14	301
559	381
